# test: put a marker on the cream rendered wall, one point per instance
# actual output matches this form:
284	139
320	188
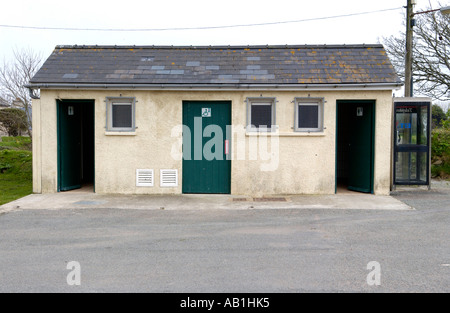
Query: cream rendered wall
37	144
305	163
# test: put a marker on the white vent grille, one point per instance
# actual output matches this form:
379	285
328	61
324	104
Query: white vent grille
169	178
144	178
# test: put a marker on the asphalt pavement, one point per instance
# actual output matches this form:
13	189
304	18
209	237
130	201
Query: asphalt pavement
272	248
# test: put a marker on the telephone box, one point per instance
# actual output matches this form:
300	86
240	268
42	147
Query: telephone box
412	157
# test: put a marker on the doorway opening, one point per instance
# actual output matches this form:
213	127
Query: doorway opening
355	139
76	145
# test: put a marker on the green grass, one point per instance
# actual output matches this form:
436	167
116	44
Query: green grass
15	168
15	143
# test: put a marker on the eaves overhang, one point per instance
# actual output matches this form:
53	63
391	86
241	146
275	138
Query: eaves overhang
221	87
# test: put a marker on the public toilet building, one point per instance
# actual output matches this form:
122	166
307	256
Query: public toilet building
241	120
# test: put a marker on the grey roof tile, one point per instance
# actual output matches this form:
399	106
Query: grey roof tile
217	65
193	63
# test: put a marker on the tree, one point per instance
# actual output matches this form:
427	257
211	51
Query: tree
13	121
438	116
431	50
446	121
14	75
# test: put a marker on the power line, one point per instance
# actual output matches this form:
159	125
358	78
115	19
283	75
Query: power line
194	28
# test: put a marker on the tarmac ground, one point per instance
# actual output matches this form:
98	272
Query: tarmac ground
216	244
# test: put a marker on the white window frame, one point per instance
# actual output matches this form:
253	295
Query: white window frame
261	101
312	102
110	101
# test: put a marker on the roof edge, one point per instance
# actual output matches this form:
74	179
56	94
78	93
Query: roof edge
237	47
349	86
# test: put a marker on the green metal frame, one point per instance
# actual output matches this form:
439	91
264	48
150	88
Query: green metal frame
413	147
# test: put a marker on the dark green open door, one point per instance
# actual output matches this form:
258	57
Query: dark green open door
361	146
206	147
76	144
69	146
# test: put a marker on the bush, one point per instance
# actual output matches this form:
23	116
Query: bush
438	116
440	153
14	121
440	142
446	121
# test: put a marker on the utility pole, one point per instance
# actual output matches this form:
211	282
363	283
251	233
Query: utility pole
409	45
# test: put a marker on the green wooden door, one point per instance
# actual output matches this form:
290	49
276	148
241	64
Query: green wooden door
69	146
206	163
361	147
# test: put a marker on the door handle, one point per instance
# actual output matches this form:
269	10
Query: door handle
227	148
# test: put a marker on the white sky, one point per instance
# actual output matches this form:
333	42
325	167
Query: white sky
194	13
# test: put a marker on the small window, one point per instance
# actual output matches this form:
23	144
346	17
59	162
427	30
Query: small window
261	114
120	114
309	114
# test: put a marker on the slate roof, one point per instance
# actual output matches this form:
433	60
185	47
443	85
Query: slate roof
216	65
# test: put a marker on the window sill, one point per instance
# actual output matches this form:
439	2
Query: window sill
290	134
119	133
